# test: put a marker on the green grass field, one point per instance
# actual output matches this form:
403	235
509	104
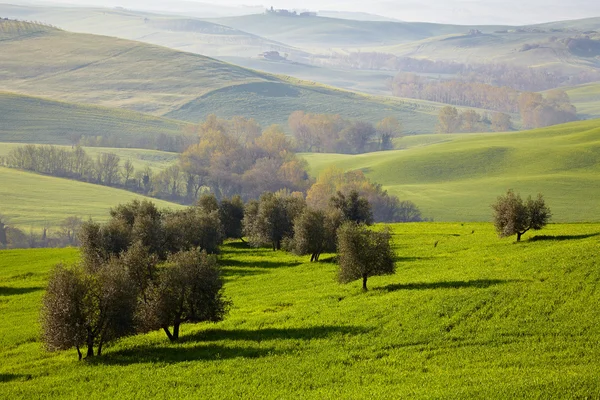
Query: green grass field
32	200
457	177
473	317
140	158
27	119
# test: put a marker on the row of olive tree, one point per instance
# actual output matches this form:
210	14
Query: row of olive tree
143	270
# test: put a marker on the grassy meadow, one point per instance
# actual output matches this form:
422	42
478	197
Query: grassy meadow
587	99
27	119
456	177
467	315
32	200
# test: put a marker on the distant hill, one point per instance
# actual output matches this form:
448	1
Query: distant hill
331	32
31	200
177	32
27	119
587	99
457	177
81	68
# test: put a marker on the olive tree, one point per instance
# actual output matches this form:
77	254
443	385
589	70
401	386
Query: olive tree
188	289
363	253
353	207
315	232
512	216
81	308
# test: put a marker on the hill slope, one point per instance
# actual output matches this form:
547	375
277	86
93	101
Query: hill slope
473	317
151	79
29	119
457	177
587	99
29	199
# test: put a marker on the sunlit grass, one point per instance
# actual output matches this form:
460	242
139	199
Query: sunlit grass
467	315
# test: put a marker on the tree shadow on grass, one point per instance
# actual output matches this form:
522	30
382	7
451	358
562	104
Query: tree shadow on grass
179	353
262	264
479	284
259	335
14	291
560	238
198	346
4	378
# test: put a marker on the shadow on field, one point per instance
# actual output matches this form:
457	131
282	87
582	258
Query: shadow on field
178	353
13	291
257	264
480	284
560	238
13	377
259	335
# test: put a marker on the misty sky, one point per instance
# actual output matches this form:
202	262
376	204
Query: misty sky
442	11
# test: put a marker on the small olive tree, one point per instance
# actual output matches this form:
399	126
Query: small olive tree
512	216
81	308
315	232
363	253
188	289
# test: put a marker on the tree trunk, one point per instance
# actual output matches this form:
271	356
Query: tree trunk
169	335
90	344
176	330
365	282
99	352
519	236
79	353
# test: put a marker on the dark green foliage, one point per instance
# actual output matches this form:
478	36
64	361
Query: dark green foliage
512	216
353	207
188	289
193	228
231	214
208	203
271	220
315	232
88	309
363	253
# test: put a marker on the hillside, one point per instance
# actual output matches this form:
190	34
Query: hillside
533	47
28	119
176	32
587	99
321	32
111	72
472	317
31	200
457	177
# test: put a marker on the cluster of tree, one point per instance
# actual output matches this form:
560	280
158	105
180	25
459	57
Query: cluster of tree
450	120
501	75
386	208
513	216
325	133
535	109
281	220
538	111
64	235
237	157
144	270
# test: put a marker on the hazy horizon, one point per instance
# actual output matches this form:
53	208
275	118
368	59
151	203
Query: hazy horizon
492	12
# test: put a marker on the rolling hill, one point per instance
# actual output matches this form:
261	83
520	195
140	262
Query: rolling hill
458	177
32	200
81	68
587	99
177	32
27	119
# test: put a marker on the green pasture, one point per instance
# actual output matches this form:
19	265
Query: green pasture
466	315
587	99
27	119
457	177
32	200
